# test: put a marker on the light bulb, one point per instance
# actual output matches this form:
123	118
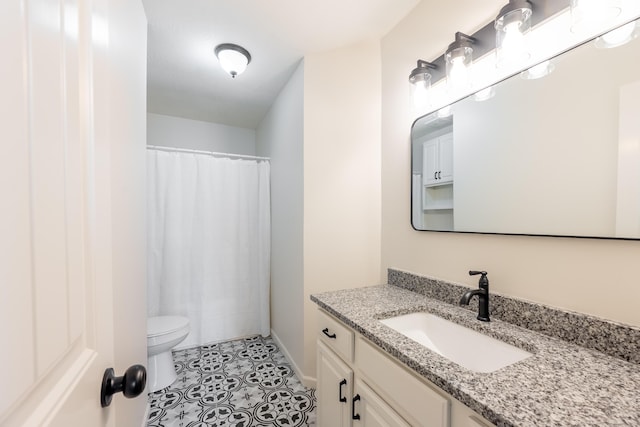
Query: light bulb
420	84
458	74
513	42
420	94
512	25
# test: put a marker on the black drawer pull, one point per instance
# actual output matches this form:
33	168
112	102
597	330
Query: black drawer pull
354	416
341	398
326	332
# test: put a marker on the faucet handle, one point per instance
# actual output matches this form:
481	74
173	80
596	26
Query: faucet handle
484	282
475	273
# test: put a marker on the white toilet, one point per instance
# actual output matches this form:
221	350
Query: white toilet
163	333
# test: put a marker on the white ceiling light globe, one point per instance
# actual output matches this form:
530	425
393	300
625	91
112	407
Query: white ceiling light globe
233	58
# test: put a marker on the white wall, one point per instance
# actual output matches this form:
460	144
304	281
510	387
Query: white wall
280	136
597	277
341	176
169	131
323	137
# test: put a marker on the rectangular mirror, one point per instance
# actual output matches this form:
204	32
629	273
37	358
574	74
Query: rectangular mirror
557	155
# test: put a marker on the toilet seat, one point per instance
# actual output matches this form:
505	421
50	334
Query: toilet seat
163	325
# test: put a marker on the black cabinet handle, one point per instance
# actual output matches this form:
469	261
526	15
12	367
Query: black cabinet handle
440	175
435	175
131	384
341	398
354	416
326	332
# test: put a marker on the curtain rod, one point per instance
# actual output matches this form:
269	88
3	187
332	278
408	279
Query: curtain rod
210	153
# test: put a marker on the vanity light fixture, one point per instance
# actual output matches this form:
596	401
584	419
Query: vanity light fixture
512	25
590	15
233	58
519	23
620	36
458	59
420	83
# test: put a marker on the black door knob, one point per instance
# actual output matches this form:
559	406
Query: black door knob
131	384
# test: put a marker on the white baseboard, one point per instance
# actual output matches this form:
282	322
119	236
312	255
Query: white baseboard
146	411
307	381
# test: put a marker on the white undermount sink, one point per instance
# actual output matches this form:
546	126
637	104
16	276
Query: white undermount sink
466	347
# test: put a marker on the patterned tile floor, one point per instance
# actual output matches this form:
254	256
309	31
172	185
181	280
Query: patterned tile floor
241	383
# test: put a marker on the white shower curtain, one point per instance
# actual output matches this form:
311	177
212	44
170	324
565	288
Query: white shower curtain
209	244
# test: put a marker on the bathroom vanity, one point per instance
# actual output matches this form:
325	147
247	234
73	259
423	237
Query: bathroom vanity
372	375
360	385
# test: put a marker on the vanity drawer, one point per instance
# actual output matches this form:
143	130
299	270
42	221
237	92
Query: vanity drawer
414	400
336	335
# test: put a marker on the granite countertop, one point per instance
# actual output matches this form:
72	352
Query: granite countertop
562	384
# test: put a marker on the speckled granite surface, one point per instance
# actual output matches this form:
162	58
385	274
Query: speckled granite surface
606	336
562	384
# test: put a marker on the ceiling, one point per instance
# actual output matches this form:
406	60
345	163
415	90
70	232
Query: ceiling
185	79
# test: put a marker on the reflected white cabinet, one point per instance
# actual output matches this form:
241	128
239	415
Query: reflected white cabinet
437	161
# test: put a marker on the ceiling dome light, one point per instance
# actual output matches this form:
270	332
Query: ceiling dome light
512	25
619	36
233	58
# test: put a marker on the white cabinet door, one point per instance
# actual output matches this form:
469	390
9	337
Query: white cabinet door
334	388
57	263
371	411
430	162
437	161
445	157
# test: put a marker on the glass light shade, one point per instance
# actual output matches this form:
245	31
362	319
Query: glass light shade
420	83
618	37
538	71
588	16
419	87
484	94
233	58
512	28
458	61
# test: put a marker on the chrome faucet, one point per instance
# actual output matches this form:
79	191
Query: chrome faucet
483	295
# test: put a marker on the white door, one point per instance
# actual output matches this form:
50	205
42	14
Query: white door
72	112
